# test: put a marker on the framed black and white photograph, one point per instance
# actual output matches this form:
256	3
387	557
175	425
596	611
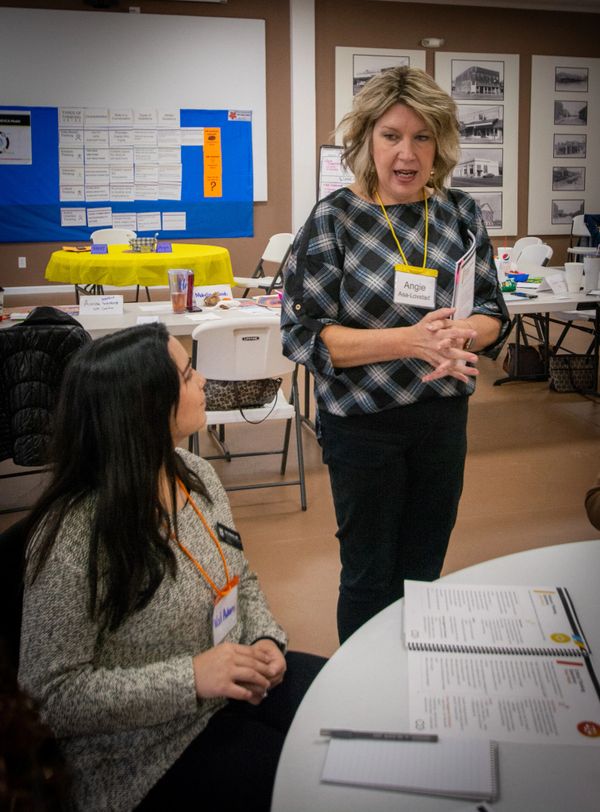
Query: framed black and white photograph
572	145
568	178
571	79
563	211
478	168
572	113
490	204
486	90
477	79
365	66
481	124
354	67
564	167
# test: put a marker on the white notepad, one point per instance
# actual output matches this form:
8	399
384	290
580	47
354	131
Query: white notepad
457	768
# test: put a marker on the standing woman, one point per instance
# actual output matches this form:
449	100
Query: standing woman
367	309
146	640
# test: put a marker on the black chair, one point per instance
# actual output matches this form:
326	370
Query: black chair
35	775
12	570
33	357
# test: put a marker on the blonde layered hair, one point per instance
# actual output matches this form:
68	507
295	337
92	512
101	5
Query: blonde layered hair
417	90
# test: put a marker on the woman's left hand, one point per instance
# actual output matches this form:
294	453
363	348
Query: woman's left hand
269	653
272	656
452	335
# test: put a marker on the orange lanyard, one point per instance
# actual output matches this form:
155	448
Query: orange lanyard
195	562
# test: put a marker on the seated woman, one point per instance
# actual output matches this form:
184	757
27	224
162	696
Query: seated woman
146	639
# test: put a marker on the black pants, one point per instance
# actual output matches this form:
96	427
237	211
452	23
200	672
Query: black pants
231	765
396	479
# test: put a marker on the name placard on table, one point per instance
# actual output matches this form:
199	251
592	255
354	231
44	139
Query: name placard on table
101	305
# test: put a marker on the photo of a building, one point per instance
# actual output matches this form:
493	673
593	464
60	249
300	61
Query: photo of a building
477	80
481	125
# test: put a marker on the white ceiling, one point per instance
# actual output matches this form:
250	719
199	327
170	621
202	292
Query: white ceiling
588	6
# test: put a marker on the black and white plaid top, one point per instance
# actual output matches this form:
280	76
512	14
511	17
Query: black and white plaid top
349	280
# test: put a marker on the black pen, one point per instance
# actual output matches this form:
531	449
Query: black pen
378	734
524	295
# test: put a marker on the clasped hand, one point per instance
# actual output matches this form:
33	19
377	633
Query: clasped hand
439	340
239	672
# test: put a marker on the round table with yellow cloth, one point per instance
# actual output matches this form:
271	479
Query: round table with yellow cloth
211	265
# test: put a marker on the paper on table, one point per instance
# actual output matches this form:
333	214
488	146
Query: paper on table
157	308
541	700
462	768
202	316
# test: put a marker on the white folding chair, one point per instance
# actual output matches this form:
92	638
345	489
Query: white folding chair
113	236
534	255
108	236
277	252
580	234
522	243
243	348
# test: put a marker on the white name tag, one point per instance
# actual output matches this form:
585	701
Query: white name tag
95	305
414	289
225	615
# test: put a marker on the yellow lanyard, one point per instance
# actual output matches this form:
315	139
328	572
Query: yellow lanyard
199	567
389	222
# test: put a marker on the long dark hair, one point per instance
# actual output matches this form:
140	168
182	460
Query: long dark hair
112	439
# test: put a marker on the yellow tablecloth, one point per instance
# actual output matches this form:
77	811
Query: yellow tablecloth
211	266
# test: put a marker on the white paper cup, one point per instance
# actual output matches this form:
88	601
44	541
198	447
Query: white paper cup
574	275
591	273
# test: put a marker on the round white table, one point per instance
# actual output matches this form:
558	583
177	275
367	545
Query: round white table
365	686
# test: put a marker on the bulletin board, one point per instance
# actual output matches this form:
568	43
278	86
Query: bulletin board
40	202
152	61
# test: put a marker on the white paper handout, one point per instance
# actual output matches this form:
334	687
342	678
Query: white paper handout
464	282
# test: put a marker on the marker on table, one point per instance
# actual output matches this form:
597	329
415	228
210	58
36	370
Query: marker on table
378	734
524	295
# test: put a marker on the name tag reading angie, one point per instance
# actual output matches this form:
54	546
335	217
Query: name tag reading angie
415	286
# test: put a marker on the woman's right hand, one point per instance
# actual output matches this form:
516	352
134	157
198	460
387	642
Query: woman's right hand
438	341
231	670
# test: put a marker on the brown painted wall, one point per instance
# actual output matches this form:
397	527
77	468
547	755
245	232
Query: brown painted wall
269	217
363	24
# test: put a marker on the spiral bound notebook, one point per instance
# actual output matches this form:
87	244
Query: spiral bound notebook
508	663
454	768
491	619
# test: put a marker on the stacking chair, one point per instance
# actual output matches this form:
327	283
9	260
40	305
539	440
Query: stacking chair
277	251
580	234
538	254
244	348
520	244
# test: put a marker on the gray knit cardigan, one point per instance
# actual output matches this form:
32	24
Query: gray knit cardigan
123	704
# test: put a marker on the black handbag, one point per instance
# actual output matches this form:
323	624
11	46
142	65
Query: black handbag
573	373
252	394
528	361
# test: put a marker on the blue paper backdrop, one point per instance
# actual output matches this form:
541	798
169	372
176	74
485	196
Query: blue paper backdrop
29	195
